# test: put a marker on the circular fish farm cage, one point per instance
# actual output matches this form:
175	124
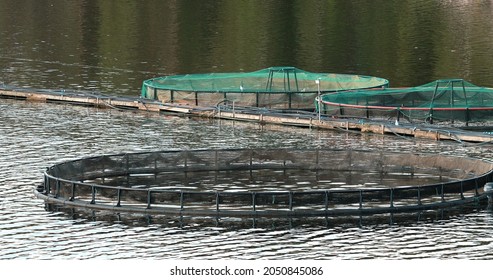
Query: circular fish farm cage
266	183
452	100
274	87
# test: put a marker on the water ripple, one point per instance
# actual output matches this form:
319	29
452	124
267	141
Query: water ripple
34	136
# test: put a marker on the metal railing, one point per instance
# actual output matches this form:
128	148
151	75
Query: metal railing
87	183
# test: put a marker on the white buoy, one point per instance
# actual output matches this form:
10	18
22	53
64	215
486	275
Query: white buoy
488	189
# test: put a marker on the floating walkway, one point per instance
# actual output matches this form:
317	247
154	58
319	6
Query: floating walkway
250	114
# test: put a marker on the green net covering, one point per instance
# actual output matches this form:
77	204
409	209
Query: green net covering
274	87
441	100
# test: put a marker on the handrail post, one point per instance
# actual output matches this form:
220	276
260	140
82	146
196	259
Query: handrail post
476	187
442	195
253	201
360	199
149	199
290	201
155	165
93	195
392	198
46	184
119	195
57	189
127	163
326	200
216	159
72	196
181	200
217	201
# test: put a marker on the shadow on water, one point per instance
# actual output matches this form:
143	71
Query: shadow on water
267	223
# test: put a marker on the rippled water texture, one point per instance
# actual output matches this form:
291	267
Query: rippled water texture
34	136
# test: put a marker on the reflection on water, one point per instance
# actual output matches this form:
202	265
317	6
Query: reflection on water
273	223
96	45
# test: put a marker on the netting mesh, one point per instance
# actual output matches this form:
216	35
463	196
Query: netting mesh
278	87
270	182
441	100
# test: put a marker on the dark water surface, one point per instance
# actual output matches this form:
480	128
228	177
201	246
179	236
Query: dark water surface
111	46
35	136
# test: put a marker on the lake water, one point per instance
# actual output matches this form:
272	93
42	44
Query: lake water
35	136
111	46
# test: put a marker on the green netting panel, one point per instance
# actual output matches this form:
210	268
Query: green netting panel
278	87
443	100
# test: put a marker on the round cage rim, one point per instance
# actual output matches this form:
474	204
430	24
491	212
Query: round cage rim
478	193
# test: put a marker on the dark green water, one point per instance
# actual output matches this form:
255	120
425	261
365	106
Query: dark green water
111	46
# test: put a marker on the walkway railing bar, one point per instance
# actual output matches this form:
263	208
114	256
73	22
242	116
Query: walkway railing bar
266	213
441	189
65	183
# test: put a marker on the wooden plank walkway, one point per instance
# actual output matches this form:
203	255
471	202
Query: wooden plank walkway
262	116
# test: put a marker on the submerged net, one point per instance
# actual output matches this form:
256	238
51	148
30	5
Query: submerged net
441	100
274	87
